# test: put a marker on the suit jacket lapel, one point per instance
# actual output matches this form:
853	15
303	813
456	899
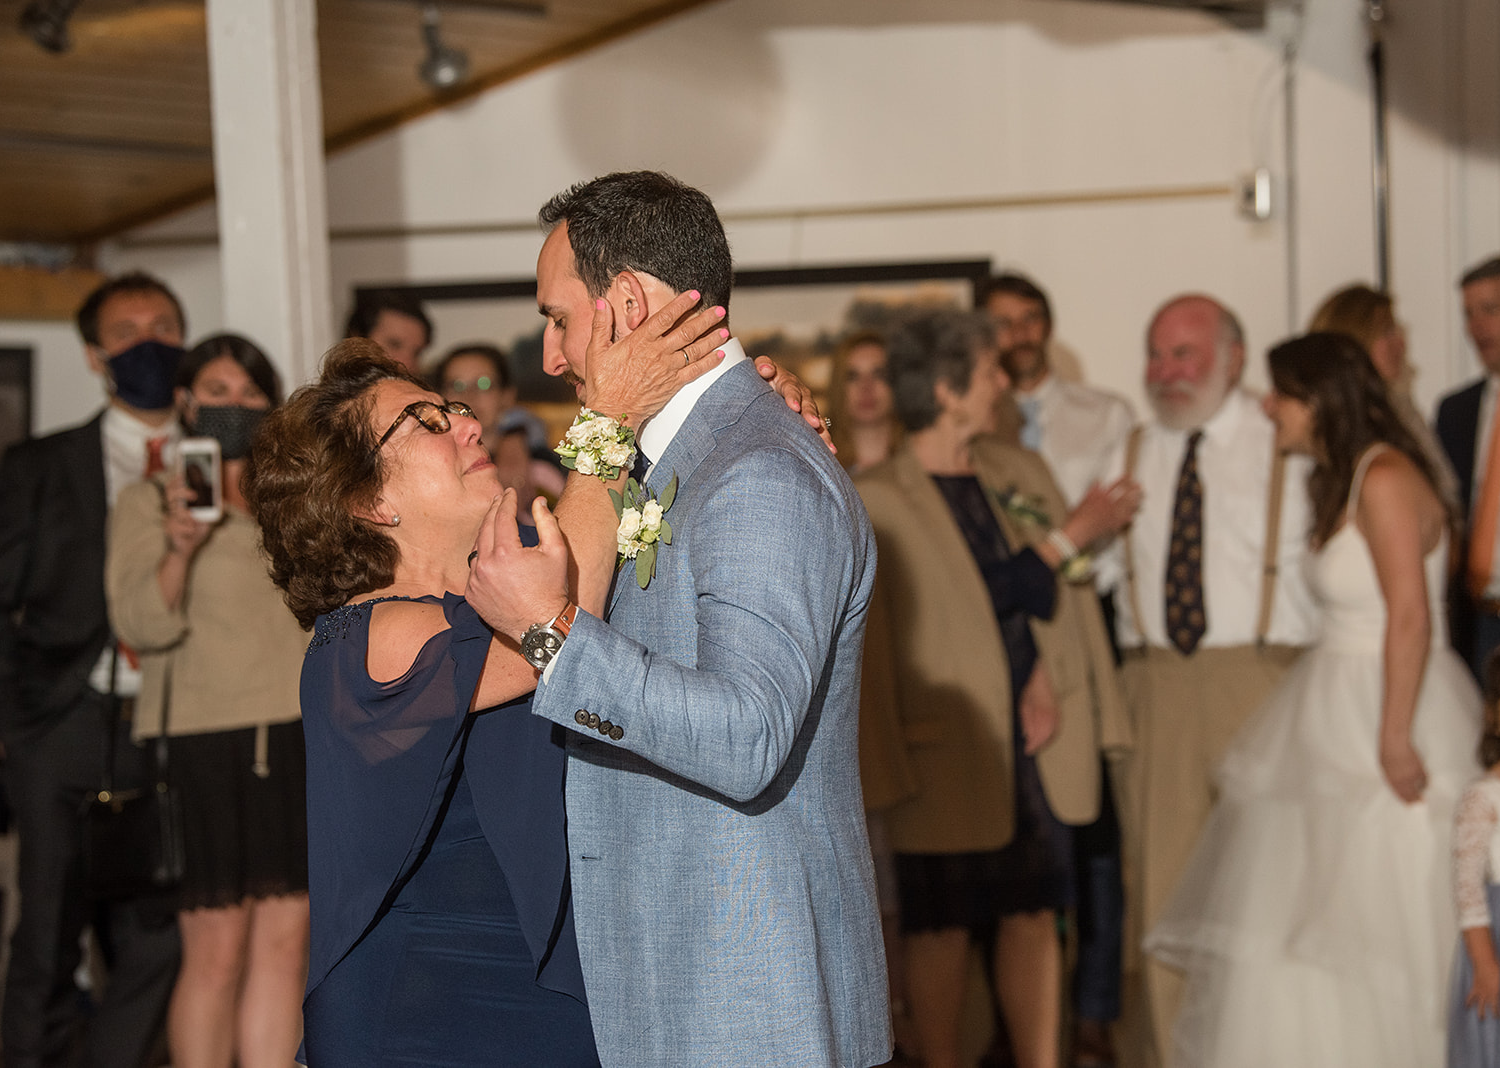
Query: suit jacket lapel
84	462
946	540
720	407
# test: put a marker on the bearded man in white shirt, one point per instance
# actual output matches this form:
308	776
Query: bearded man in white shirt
1212	606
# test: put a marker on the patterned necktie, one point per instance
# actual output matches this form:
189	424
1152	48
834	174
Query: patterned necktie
1186	620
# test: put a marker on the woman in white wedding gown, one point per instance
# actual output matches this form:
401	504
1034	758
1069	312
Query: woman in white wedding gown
1314	922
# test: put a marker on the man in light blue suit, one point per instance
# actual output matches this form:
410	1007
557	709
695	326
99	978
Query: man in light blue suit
721	874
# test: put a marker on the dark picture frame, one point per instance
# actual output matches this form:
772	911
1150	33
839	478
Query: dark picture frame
15	395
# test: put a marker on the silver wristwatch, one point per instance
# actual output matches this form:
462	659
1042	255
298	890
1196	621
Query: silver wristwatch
541	641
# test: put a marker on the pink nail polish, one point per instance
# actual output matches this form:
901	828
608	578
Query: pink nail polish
718	313
695	294
599	305
724	334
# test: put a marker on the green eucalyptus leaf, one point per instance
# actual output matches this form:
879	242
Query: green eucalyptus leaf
645	565
666	532
669	494
618	502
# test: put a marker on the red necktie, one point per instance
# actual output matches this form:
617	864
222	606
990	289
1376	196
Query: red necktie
154	462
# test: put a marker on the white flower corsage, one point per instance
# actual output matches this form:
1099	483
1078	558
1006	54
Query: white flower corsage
1026	510
597	445
643	526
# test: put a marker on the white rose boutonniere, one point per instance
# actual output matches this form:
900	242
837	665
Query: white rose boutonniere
643	526
597	445
1026	510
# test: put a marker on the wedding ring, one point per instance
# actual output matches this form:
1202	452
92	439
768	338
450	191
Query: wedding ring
827	423
473	556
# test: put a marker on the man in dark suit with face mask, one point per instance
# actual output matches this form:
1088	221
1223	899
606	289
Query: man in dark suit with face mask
62	674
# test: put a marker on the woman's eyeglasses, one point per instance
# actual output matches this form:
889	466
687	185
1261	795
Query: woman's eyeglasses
432	416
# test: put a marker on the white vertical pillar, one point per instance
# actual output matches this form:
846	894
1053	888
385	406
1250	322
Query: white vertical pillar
268	167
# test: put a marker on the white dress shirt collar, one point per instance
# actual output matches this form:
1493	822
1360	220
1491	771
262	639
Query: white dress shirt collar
124	437
658	431
1041	392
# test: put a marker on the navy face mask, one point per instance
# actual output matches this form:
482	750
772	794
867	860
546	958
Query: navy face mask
231	426
144	373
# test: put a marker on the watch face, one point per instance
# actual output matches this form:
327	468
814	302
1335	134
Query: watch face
540	644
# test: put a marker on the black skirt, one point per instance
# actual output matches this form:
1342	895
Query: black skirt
245	834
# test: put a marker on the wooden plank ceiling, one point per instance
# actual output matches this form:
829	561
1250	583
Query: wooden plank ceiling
116	130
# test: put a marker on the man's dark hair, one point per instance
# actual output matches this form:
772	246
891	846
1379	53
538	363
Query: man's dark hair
368	306
130	282
928	347
1490	268
1017	285
644	221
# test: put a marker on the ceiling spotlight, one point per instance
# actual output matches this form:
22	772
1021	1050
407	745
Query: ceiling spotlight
444	67
46	23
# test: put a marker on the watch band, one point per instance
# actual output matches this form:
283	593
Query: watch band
563	623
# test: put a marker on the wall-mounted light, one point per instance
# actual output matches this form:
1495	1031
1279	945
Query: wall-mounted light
444	67
46	23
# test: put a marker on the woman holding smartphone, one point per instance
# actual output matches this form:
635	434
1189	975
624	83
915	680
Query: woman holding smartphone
220	658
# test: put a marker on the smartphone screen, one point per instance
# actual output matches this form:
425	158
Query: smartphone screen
199	464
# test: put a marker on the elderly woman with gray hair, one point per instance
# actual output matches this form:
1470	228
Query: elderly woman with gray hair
989	687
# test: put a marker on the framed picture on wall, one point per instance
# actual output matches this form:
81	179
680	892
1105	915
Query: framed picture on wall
796	315
15	396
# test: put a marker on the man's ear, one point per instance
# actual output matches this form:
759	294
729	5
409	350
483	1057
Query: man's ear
98	362
628	295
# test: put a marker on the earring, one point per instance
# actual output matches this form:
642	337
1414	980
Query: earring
395	520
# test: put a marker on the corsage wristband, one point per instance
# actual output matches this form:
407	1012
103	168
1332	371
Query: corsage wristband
1062	543
597	445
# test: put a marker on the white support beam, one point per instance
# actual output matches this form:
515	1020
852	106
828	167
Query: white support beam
268	166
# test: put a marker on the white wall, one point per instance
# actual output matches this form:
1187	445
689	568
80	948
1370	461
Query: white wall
940	110
63	389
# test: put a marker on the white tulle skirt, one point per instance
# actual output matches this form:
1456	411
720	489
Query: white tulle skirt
1315	921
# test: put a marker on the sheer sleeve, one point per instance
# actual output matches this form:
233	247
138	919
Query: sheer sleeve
1473	826
380	757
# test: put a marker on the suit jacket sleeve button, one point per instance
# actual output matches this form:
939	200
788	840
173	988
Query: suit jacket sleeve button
604	726
581	718
617	732
593	719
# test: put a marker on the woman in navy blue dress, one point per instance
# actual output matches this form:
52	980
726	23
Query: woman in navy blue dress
442	927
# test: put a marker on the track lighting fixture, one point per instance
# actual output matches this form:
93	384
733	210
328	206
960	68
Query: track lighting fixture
443	67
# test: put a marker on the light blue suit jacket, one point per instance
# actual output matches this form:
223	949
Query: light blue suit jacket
722	883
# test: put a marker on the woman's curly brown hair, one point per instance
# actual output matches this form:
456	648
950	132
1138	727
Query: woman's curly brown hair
314	465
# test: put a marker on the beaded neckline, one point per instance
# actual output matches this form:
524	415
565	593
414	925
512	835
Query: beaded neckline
336	622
